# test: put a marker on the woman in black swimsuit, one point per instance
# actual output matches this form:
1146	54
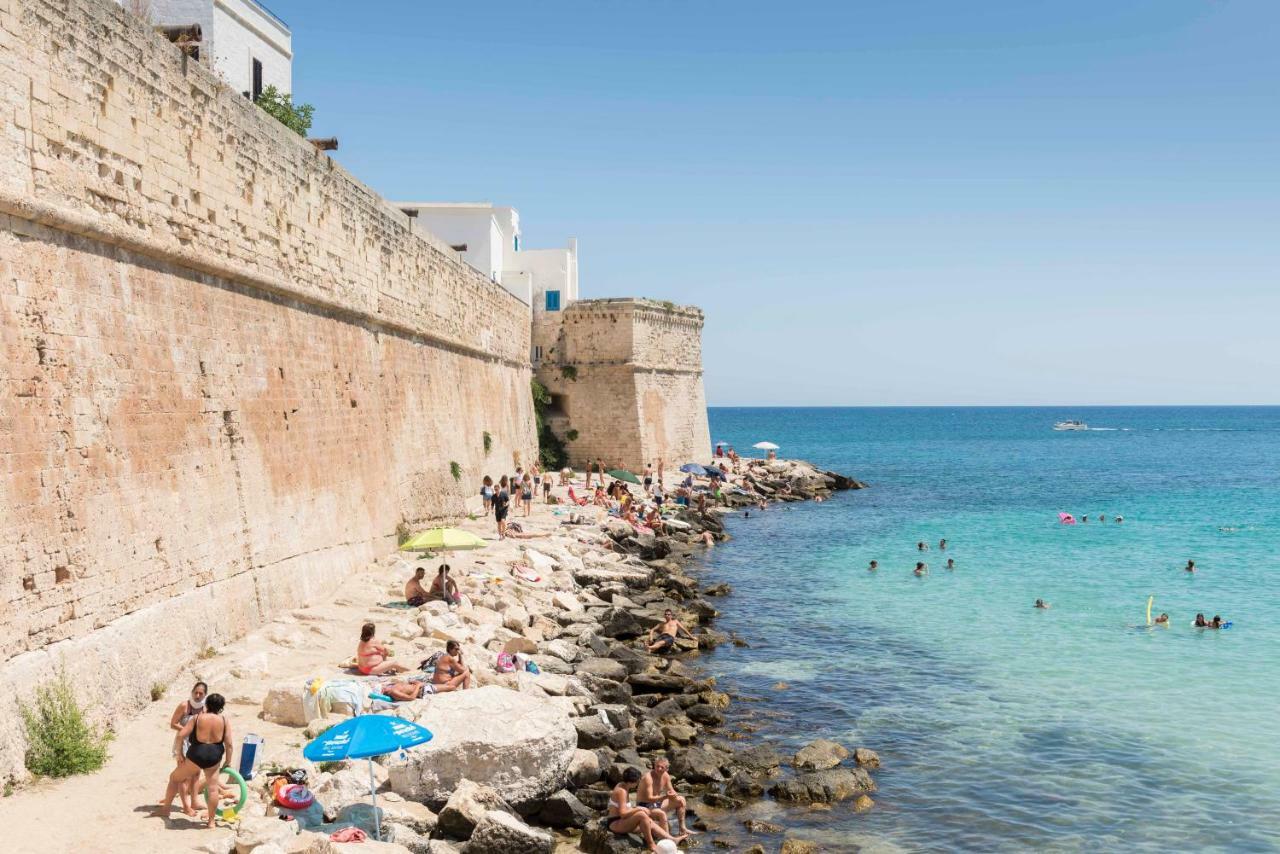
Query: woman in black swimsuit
209	752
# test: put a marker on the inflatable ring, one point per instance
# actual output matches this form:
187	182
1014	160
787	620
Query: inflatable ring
244	792
294	797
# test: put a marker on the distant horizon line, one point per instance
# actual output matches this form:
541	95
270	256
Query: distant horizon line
995	406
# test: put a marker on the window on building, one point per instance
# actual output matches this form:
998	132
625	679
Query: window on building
515	243
537	353
257	79
553	300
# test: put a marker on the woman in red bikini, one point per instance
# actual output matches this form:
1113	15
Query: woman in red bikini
372	658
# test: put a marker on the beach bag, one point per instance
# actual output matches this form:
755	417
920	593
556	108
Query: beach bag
531	667
429	664
506	663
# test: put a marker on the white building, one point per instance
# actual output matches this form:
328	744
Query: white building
241	40
488	238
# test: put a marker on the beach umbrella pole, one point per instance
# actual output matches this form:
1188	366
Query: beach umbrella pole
373	792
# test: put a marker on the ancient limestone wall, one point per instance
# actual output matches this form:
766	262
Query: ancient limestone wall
634	393
228	371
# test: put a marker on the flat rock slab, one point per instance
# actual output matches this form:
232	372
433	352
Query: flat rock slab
519	744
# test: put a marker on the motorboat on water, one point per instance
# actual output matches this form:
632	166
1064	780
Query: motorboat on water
1070	425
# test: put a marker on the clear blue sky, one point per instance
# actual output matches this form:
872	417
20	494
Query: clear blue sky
893	202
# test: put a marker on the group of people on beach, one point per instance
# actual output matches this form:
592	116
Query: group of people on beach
448	672
202	746
655	796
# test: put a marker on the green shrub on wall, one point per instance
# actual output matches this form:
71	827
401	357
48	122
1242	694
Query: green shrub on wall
551	451
488	443
456	471
296	117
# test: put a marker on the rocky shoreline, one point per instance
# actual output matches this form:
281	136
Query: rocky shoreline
525	762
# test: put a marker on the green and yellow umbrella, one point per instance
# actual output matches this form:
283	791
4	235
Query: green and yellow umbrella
443	540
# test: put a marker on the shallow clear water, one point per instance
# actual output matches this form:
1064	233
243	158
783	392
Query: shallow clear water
1002	727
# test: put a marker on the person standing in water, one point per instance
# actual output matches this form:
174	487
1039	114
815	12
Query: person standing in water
951	563
1191	566
942	544
874	566
921	568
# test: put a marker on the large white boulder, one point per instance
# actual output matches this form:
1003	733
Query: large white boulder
254	832
283	705
519	744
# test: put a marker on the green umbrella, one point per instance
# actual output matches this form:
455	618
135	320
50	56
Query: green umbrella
443	539
623	474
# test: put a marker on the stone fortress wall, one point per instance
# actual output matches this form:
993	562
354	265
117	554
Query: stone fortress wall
228	371
633	385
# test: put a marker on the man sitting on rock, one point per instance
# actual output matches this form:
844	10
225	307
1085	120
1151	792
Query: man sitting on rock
662	637
656	794
414	593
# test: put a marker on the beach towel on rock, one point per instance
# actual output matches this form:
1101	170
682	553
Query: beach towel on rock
349	834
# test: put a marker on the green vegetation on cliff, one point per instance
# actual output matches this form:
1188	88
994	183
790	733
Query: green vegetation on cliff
551	451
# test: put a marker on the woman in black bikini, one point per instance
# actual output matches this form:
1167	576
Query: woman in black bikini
210	750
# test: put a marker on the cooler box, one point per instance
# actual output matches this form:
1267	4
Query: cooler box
250	749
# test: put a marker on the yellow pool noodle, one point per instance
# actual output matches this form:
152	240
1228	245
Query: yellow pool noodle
1150	599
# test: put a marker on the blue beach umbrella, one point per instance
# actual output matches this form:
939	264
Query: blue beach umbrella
692	468
365	737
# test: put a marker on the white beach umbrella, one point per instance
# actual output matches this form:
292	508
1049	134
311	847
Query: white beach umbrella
765	446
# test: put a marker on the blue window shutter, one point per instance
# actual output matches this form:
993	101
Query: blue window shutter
553	300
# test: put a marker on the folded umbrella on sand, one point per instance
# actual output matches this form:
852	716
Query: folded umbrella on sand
623	474
365	737
442	540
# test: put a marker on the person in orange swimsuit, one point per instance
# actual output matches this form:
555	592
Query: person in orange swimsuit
373	658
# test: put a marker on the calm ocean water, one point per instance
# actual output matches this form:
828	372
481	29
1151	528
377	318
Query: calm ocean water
1002	727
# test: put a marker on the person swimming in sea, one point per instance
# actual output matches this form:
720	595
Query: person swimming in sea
951	563
1102	517
1084	518
920	546
1200	622
1119	519
1043	605
1191	566
921	567
1162	620
875	564
942	544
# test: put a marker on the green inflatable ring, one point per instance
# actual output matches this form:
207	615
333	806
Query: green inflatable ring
244	790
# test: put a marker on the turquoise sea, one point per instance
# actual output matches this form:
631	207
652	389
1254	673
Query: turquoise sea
1002	727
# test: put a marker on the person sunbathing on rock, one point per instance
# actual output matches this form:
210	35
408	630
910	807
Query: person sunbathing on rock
411	690
662	637
414	593
621	818
655	793
516	532
451	674
373	658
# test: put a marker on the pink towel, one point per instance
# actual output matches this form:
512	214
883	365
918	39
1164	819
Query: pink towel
349	834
